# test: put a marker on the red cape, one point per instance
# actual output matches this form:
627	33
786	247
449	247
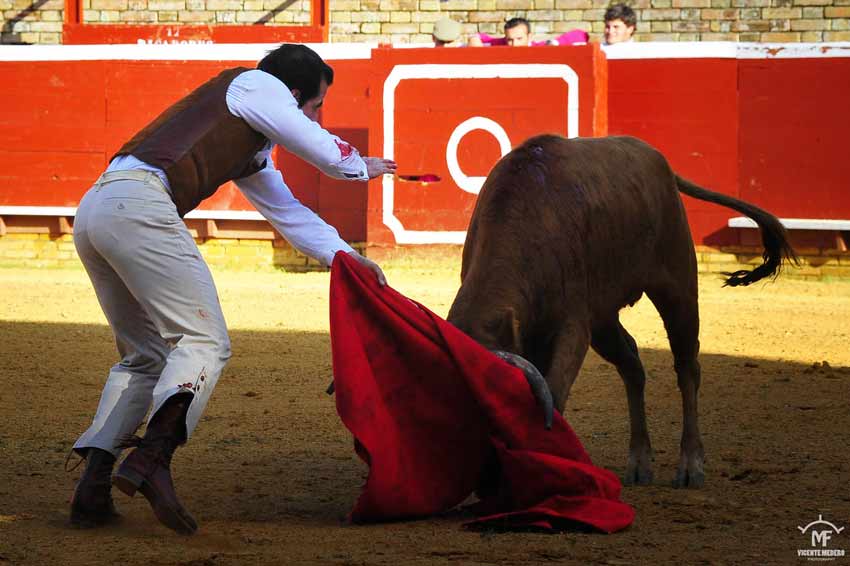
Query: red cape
437	417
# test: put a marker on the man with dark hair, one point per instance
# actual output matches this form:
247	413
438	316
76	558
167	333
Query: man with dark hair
620	23
298	67
518	34
154	287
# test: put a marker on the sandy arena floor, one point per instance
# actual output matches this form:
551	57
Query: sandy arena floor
271	473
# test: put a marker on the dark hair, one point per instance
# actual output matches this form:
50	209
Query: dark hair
298	67
621	12
514	22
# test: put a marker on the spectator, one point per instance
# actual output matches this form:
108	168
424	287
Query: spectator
447	33
518	34
620	23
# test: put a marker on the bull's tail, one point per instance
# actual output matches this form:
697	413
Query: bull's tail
773	235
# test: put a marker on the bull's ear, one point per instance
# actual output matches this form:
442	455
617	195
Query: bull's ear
509	335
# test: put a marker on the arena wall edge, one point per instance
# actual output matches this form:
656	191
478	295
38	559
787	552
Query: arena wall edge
762	122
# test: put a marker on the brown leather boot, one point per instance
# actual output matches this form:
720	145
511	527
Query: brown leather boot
92	504
148	468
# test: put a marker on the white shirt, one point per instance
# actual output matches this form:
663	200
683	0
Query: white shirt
269	108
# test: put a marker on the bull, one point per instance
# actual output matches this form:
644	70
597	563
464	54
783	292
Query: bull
567	232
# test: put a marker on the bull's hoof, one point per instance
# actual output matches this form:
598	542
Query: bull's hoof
639	465
689	478
637	476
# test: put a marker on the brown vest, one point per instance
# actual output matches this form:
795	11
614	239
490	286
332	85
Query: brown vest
199	144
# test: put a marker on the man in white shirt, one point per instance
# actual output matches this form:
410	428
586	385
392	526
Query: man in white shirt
154	287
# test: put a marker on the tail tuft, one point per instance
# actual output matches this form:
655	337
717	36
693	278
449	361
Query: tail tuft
775	254
773	235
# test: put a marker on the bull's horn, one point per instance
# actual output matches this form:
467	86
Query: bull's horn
538	384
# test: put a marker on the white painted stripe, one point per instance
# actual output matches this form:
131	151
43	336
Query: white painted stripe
672	50
38	210
793	50
224	215
174	52
72	211
505	71
795	223
427	45
341	51
725	50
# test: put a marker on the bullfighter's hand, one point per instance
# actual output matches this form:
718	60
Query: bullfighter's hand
374	267
377	166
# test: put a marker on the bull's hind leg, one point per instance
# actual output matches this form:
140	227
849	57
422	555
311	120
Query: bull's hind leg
616	346
679	311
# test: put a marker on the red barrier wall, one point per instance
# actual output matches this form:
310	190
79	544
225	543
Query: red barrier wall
432	107
766	128
688	109
795	119
795	115
60	121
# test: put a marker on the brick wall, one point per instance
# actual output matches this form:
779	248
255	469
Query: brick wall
196	11
405	21
31	21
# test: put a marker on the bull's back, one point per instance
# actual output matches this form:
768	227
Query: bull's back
604	213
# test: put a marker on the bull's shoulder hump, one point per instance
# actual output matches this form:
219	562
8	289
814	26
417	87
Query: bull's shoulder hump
544	140
630	142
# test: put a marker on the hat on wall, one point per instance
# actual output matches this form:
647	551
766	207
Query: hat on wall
447	30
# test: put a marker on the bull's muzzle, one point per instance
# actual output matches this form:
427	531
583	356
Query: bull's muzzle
538	384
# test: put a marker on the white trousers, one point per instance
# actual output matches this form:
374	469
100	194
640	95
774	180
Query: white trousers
159	298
